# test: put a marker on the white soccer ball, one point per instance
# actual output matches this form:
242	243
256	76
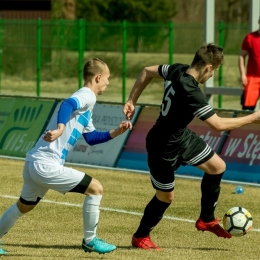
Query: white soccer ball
237	221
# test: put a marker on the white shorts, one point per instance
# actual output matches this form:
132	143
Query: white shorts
39	178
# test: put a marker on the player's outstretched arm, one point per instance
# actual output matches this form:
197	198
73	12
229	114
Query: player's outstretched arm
224	124
124	125
147	74
96	137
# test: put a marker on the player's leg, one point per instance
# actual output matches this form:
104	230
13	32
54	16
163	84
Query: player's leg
30	196
153	214
162	178
63	180
250	94
199	154
94	190
210	187
91	210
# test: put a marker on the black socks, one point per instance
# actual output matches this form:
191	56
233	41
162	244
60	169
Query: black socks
153	213
210	189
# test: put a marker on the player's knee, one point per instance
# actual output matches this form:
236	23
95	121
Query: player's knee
223	167
170	197
220	168
165	196
25	206
94	188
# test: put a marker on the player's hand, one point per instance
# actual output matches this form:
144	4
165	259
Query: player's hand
129	110
124	126
244	80
52	135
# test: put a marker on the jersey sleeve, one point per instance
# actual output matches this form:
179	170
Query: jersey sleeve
85	100
96	137
66	108
165	70
246	44
199	105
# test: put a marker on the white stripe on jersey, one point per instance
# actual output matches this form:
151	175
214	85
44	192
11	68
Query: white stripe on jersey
165	70
200	156
162	185
202	111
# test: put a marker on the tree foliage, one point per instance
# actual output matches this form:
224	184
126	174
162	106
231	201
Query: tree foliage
130	10
181	11
228	11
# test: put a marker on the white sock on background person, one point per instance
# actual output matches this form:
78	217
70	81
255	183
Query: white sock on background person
91	216
8	219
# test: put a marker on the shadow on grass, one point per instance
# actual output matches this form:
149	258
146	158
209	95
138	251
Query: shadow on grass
127	247
45	246
61	246
189	248
204	248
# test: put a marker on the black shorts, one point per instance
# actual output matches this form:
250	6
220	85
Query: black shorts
166	156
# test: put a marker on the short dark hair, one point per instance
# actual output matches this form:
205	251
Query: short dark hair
93	67
208	54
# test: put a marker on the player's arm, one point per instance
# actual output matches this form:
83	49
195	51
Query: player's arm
66	108
145	77
96	137
224	124
205	112
242	67
52	135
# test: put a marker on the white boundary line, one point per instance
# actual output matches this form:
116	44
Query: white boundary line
105	209
111	209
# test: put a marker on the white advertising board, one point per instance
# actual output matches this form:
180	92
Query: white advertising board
105	117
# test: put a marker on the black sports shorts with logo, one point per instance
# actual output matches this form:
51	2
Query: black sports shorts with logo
167	154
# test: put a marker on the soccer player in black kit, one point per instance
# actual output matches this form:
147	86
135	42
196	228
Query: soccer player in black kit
170	143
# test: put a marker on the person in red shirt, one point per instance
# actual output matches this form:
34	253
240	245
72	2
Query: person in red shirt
250	77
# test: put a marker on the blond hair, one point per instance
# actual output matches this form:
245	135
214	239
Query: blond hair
93	67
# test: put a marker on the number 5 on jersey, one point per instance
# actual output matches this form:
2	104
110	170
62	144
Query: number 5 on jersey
166	104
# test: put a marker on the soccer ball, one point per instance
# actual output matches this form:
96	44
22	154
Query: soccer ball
237	221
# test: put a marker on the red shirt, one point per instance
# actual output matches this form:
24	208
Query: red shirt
251	44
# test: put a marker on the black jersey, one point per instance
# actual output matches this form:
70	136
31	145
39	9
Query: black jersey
182	100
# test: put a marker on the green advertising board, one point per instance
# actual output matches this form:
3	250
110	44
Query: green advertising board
22	121
6	105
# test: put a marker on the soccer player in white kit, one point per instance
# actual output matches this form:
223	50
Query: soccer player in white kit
44	165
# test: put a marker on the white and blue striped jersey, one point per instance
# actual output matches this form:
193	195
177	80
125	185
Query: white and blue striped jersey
80	122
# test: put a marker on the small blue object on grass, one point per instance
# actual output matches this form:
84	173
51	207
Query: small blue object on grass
239	189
